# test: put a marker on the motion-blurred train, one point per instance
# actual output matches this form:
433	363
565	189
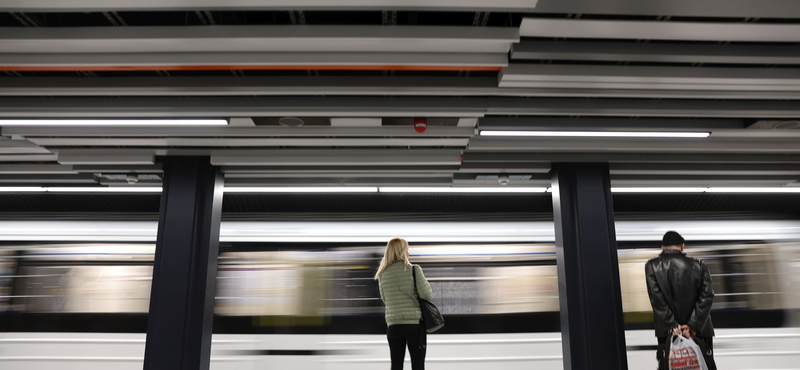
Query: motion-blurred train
301	294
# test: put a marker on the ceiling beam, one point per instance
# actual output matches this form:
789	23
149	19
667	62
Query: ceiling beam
249	142
336	157
239	132
260	39
647	77
159	61
245	5
533	156
654	30
338	86
686	8
386	107
656	52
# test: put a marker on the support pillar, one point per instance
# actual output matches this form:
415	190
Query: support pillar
592	327
185	268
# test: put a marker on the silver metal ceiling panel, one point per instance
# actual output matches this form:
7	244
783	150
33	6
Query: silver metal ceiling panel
638	145
20	147
333	157
173	5
645	77
107	157
705	169
387	107
254	170
340	181
534	157
36	169
143	59
239	132
645	108
233	39
687	8
657	52
654	30
83	178
28	158
241	107
246	142
333	86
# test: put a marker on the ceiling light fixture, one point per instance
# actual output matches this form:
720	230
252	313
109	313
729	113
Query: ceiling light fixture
658	190
308	189
504	189
596	134
114	122
784	189
94	189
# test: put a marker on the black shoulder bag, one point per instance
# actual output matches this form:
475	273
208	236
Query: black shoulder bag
431	317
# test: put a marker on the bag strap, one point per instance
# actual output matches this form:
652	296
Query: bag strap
414	274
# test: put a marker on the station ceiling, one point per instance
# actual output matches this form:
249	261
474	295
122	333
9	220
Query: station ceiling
357	73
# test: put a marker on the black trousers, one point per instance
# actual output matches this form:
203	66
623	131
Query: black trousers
413	336
705	343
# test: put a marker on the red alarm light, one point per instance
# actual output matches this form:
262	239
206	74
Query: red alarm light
420	124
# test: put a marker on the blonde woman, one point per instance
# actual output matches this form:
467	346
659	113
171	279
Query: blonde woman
403	314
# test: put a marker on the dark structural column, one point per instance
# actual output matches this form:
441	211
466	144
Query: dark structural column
185	269
592	329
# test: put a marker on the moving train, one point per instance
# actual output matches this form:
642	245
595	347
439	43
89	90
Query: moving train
75	293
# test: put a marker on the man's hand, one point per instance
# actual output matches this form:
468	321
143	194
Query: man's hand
676	331
687	331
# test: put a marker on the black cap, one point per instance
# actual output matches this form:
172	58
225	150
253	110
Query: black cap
672	238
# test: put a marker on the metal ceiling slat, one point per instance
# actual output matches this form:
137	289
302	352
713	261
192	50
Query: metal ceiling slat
704	169
253	60
97	157
638	145
656	52
20	147
83	178
645	77
234	132
252	170
338	86
36	169
386	107
241	107
653	30
28	158
686	8
241	38
531	157
342	157
245	142
252	5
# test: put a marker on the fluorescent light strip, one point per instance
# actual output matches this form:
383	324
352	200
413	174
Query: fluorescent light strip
596	133
33	189
461	190
754	190
658	190
309	189
114	122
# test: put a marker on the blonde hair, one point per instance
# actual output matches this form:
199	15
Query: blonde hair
396	250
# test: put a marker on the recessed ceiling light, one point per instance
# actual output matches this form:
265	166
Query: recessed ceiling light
595	133
113	122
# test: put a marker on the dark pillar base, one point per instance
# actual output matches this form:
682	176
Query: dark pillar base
185	268
592	328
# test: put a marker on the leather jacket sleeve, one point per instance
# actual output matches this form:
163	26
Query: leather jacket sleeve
702	308
657	301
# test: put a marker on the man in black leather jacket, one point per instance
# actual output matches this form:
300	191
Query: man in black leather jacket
681	294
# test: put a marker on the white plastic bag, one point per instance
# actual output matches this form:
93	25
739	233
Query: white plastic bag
685	354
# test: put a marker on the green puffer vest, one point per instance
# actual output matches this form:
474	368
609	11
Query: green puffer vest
397	293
